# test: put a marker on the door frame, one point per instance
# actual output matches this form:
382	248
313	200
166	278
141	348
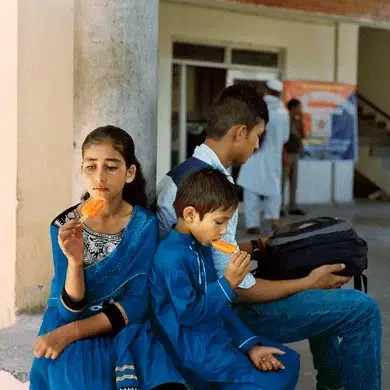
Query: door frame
255	75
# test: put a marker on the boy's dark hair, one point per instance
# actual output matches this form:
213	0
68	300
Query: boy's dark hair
293	103
134	192
206	190
237	104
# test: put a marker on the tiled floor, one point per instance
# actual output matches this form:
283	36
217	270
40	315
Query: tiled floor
372	222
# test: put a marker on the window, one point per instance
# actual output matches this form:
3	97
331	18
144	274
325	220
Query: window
255	58
188	51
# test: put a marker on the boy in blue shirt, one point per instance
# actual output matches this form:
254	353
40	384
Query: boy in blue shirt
205	338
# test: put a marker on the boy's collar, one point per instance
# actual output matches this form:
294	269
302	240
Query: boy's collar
206	154
177	236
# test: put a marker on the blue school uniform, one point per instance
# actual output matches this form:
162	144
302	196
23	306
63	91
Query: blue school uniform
204	337
131	358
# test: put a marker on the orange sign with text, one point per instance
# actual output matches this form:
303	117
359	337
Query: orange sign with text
330	118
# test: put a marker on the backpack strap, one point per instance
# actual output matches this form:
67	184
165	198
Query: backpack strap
192	164
358	282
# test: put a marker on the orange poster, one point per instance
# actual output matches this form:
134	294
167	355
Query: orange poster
330	118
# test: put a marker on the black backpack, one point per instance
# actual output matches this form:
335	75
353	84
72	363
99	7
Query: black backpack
294	250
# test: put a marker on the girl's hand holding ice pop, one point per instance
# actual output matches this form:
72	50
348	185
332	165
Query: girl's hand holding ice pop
70	236
70	240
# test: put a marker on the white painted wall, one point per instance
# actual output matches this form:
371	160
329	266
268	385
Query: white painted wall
374	69
36	127
8	157
45	130
346	72
309	55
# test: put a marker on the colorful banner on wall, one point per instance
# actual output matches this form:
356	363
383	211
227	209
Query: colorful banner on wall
330	117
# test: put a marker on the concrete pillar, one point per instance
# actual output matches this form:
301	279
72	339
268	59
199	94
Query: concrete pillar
347	53
116	76
346	71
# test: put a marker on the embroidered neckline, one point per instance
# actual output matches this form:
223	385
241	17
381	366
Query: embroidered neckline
107	236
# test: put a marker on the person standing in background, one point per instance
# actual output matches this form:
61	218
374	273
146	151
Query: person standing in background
261	175
291	152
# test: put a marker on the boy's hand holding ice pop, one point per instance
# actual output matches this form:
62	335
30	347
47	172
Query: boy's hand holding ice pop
238	267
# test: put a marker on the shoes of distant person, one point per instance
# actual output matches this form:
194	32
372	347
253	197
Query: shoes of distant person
296	212
254	231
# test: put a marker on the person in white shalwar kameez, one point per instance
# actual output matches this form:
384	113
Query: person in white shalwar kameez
261	175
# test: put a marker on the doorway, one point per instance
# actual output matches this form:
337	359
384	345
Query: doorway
258	80
199	73
193	91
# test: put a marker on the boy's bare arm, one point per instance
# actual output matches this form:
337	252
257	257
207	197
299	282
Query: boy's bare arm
268	291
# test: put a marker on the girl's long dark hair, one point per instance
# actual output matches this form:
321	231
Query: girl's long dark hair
134	192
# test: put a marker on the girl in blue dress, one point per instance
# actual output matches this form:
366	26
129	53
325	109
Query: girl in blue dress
95	332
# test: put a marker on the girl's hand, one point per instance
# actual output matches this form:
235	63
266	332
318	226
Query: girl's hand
263	359
52	344
70	239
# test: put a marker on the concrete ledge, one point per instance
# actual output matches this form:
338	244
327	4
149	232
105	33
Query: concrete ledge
7	381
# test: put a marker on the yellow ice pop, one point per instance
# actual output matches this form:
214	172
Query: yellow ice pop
224	247
91	209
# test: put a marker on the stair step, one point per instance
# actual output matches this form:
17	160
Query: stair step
381	125
367	123
374	132
369	140
363	186
372	128
369	116
380	151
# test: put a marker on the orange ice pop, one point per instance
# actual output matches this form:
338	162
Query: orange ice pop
224	247
91	209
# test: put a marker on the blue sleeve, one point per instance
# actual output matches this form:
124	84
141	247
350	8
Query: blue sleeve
166	194
58	283
133	304
193	308
243	338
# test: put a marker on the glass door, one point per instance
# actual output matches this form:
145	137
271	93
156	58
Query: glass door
193	90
